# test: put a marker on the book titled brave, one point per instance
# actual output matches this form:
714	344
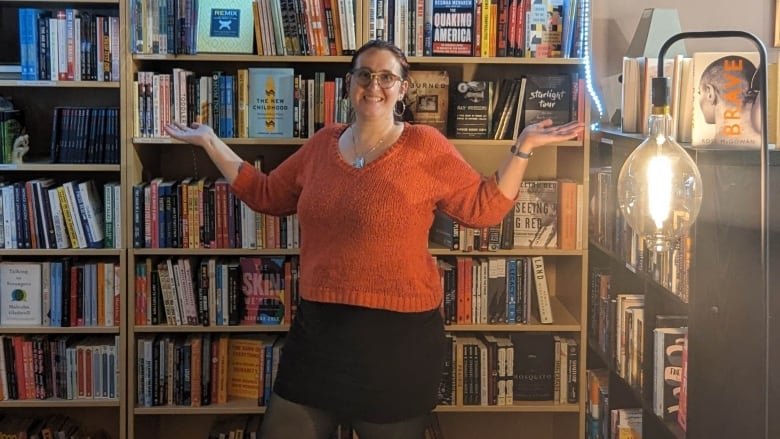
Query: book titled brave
262	285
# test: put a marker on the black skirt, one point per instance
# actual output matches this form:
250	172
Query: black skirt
363	364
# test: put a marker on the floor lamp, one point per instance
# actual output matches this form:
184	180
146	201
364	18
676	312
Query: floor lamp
764	169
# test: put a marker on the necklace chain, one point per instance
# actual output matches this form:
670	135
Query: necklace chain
360	159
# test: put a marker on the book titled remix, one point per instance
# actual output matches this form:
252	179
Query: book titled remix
225	26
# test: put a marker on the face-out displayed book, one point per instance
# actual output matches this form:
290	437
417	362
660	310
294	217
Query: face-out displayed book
270	107
726	108
20	294
427	99
225	26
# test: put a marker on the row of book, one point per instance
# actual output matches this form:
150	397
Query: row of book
619	325
694	81
11	126
61	367
258	290
547	214
50	426
85	135
488	370
274	27
602	421
521	28
494	290
204	213
248	427
60	293
205	369
237	105
47	214
68	45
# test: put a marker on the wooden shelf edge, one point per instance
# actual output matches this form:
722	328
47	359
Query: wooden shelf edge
154	329
46	166
214	252
58	84
59	330
59	403
518	406
48	253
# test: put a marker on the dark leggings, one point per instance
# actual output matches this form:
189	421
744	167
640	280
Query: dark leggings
286	419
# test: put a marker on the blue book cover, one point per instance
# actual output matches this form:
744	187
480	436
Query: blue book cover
270	107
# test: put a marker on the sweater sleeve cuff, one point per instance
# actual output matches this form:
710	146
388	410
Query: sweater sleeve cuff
243	181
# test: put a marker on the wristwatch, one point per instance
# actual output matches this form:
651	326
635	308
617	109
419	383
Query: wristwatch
523	155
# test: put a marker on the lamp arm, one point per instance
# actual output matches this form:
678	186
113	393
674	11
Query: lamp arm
762	67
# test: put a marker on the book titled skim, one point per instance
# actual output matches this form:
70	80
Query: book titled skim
270	108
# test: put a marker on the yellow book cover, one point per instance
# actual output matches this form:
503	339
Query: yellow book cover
225	26
244	367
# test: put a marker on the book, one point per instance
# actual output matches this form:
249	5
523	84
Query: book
427	99
547	97
270	107
245	366
667	371
472	102
725	108
534	366
20	294
452	28
262	288
536	215
542	290
225	26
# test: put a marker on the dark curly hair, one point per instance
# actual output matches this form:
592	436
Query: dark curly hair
383	45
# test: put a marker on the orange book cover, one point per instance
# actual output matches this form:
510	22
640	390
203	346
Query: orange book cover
196	358
567	214
245	359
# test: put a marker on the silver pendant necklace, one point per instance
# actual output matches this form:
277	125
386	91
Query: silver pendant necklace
360	159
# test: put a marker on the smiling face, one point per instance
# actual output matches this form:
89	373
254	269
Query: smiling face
372	101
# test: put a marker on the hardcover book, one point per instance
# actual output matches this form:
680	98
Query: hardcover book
20	294
427	100
534	366
668	352
726	92
225	26
270	107
536	215
262	285
472	106
245	366
452	28
547	97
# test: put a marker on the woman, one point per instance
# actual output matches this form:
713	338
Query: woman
367	344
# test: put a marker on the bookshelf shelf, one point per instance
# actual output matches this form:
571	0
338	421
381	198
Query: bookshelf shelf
564	322
235	406
214	252
210	58
506	253
49	253
252	329
229	141
518	406
93	2
46	166
456	60
60	403
58	84
59	330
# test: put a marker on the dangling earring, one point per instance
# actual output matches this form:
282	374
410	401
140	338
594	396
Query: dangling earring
403	108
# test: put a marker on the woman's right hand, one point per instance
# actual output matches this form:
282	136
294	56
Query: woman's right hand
196	134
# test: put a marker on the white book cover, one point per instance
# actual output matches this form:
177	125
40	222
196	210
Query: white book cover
726	110
20	294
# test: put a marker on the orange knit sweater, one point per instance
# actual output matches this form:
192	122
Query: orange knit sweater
364	232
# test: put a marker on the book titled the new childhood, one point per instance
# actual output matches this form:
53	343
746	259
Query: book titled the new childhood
225	26
270	107
726	110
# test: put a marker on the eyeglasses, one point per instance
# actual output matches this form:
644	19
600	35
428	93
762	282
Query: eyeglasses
364	77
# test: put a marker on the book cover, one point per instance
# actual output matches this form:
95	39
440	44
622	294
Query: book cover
668	351
542	290
452	28
270	106
427	99
547	97
245	366
20	293
262	287
536	215
225	26
725	108
534	366
472	105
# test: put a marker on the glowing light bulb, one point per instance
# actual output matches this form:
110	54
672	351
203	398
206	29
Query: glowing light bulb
659	187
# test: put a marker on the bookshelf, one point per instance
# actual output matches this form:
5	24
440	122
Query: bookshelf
151	157
724	303
37	100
